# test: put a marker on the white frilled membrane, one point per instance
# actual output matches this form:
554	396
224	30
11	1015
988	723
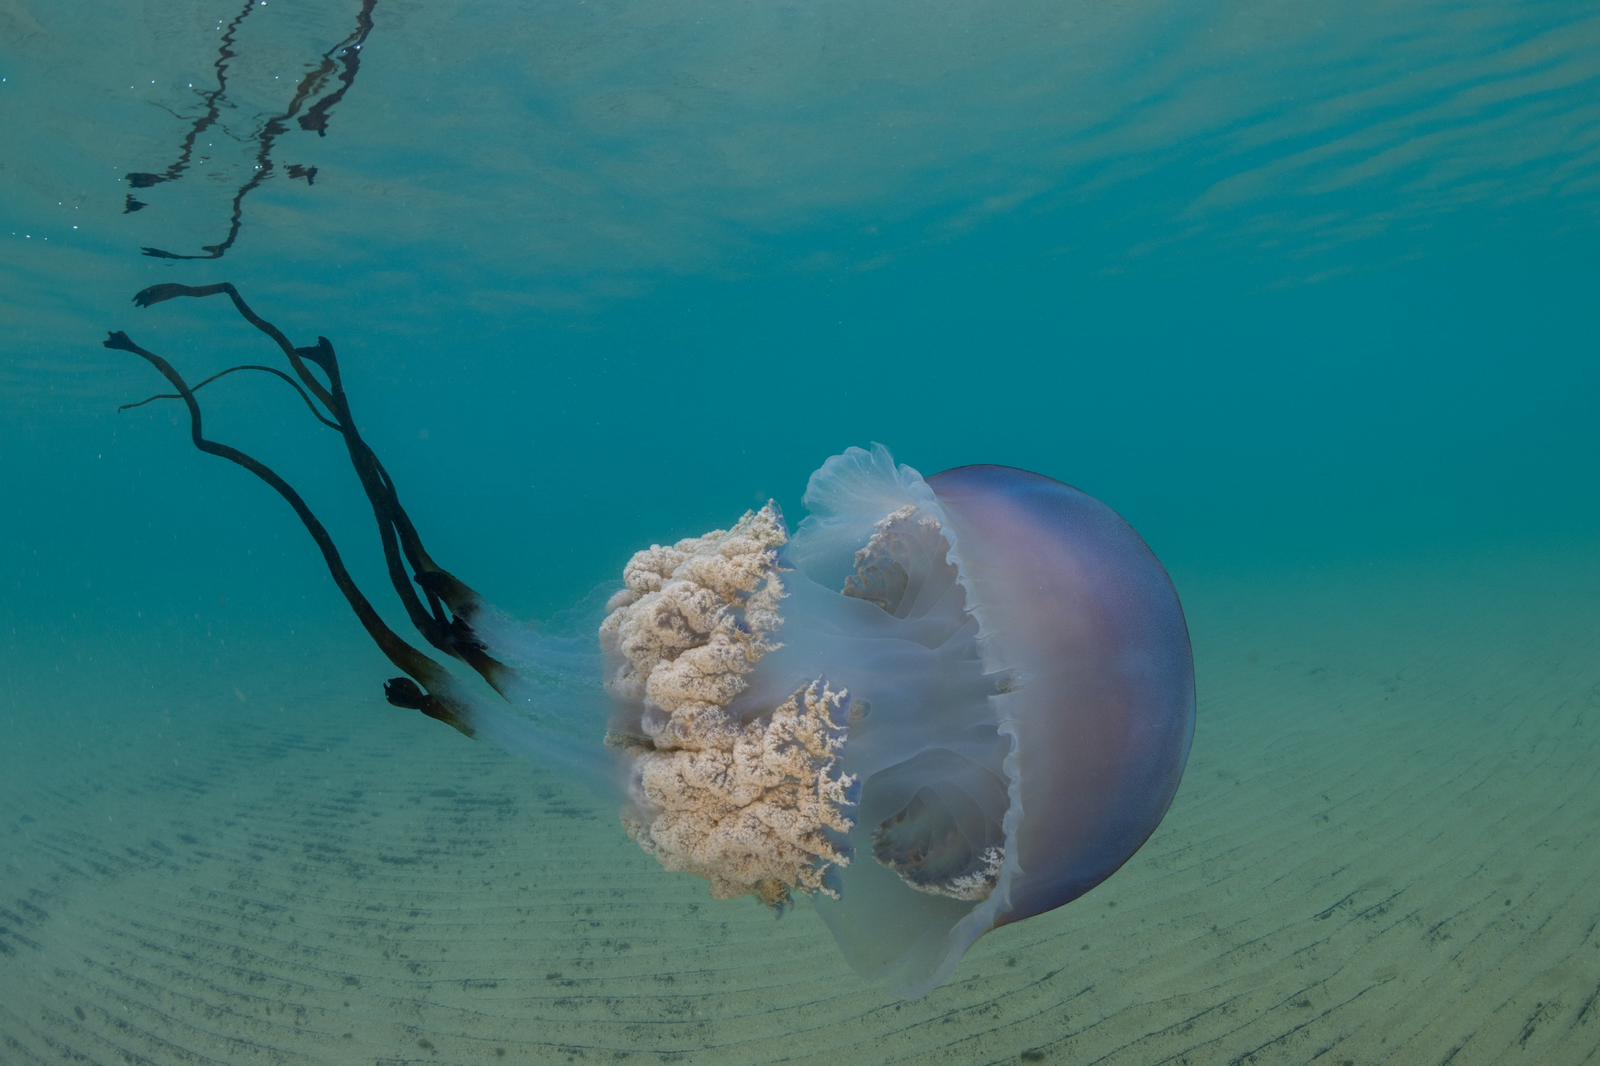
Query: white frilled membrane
820	715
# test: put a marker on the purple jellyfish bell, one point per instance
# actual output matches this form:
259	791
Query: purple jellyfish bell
939	706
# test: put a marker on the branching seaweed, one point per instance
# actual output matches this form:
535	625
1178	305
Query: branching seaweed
318	415
439	605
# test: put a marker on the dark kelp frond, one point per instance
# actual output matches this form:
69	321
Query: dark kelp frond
438	604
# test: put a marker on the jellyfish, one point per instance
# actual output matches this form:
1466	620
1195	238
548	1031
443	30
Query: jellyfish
935	706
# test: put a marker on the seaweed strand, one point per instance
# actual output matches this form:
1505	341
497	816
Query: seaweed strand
197	386
427	686
447	630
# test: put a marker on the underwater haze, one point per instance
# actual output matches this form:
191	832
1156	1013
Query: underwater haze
1305	292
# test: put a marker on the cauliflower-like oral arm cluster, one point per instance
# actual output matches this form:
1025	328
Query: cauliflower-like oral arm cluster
753	802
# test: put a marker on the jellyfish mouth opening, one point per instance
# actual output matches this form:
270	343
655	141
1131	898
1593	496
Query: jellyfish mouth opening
922	844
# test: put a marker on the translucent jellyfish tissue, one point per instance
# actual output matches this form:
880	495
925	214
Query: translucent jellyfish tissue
936	707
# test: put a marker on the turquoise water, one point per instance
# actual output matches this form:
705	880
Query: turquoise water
1305	293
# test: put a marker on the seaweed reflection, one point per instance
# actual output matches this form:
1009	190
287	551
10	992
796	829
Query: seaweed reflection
311	106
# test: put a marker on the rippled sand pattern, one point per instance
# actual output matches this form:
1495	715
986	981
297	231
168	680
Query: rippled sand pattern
1383	852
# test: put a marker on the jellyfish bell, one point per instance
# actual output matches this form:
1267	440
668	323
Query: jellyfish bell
939	706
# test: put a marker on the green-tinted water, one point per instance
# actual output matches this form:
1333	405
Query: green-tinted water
1305	293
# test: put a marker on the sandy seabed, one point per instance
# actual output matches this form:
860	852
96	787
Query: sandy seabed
1386	849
